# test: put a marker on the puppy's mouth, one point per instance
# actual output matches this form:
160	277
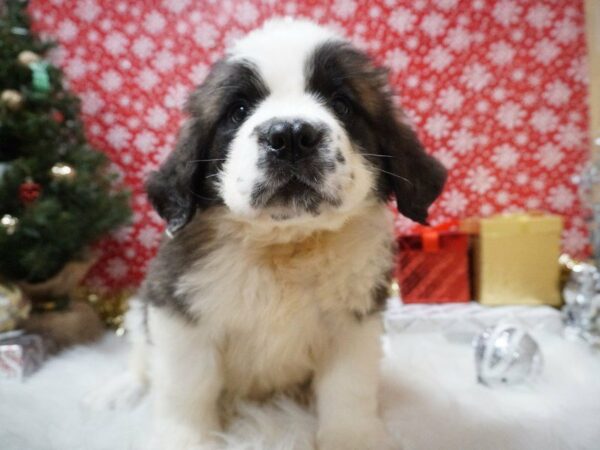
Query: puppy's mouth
292	190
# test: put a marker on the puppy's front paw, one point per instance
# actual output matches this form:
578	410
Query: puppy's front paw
357	436
123	392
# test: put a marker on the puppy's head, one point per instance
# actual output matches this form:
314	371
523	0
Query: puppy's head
294	125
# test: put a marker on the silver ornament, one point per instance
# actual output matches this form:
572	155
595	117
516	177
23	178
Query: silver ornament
506	354
581	313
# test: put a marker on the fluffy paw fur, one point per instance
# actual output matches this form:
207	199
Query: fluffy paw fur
123	392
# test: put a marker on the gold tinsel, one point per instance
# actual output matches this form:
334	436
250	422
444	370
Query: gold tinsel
111	307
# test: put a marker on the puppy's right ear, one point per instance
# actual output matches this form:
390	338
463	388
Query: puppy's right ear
171	188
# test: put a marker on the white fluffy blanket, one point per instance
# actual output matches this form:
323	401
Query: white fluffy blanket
430	400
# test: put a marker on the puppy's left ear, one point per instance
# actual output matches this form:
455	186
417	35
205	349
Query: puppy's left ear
416	178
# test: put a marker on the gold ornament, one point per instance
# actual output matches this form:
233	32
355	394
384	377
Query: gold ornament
62	171
27	57
110	306
14	306
13	99
394	289
9	223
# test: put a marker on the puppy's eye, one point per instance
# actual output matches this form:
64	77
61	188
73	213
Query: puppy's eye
341	106
238	111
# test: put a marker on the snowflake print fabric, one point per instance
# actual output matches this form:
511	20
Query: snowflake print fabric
496	89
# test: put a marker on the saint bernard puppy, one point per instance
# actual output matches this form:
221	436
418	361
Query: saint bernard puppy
280	244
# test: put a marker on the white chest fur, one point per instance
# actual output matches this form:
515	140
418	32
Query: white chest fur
271	309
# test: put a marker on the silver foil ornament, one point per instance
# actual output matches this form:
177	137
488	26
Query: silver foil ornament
506	354
581	312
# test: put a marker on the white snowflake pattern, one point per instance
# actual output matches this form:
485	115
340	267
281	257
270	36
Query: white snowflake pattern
246	13
164	61
557	93
111	81
437	126
454	202
565	31
147	79
76	68
396	59
145	141
446	5
149	236
544	120
501	53
157	117
115	43
143	47
522	179
486	210
401	20
480	179
450	99
510	115
176	96
87	10
154	22
446	157
569	135
503	198
344	9
574	240
463	141
434	24
118	136
176	6
499	94
67	30
578	70
507	12
561	198
439	58
476	77
458	39
505	156
545	51
549	155
91	102
199	73
116	268
206	35
533	203
540	16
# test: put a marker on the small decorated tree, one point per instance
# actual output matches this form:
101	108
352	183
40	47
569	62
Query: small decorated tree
56	194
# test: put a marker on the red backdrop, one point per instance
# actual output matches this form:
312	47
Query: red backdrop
496	89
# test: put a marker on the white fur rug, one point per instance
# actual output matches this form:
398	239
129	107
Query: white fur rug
430	400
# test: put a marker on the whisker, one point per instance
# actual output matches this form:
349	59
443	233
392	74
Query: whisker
213	175
394	175
205	160
200	196
375	154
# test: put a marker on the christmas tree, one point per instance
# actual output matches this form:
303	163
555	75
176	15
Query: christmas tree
56	194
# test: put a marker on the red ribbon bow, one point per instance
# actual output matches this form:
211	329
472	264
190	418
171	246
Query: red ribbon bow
430	235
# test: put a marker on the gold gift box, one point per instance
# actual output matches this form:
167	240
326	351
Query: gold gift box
515	258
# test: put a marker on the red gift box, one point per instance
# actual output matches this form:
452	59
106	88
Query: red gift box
433	265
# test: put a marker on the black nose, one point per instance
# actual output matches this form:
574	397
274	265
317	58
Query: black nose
293	140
